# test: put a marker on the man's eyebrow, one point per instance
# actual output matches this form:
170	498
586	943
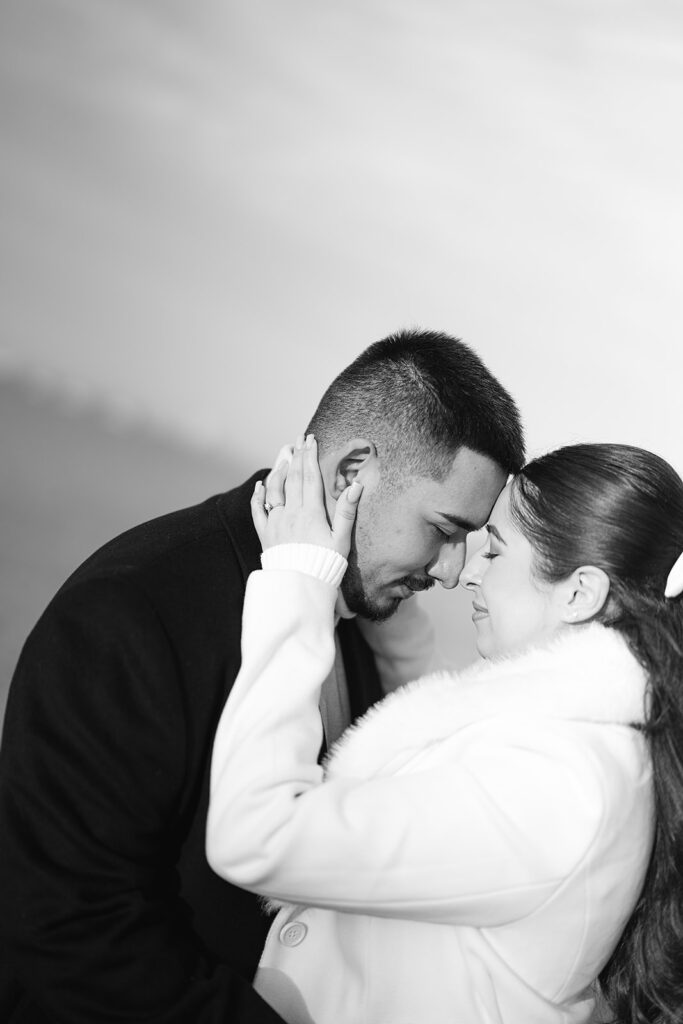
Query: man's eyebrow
492	529
464	524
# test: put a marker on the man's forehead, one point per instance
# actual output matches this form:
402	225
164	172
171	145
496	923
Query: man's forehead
472	485
463	499
468	465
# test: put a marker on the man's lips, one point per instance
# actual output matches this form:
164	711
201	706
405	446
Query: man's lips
408	587
416	585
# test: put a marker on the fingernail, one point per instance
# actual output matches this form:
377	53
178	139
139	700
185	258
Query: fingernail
355	490
309	440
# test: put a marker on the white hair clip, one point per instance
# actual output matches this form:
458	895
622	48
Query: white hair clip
674	581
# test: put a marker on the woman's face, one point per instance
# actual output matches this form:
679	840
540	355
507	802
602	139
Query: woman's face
512	609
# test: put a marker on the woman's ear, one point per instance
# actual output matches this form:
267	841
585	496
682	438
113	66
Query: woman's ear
586	593
356	458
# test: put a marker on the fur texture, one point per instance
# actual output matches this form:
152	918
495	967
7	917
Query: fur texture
555	681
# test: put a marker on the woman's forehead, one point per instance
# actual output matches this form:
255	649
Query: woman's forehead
500	513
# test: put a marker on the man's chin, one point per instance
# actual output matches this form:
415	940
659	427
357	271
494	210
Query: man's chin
368	606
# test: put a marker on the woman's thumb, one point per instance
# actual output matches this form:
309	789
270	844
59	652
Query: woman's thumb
345	516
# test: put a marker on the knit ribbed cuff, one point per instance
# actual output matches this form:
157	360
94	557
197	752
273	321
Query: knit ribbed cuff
323	563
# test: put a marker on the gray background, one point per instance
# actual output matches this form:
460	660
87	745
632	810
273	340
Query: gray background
208	209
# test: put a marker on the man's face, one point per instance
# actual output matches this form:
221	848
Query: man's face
412	535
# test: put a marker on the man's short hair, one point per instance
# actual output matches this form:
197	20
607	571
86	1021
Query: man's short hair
420	396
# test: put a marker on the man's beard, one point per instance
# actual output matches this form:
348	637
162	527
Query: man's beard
364	604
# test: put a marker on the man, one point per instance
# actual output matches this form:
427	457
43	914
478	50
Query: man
109	910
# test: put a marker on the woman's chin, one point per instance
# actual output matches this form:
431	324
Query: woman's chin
489	646
484	646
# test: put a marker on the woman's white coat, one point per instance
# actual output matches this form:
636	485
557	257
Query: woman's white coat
477	844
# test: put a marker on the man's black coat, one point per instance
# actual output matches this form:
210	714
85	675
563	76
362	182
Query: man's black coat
108	908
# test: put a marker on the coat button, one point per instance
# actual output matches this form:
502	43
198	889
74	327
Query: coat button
292	934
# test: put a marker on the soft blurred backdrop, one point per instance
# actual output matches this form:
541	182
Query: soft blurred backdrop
209	208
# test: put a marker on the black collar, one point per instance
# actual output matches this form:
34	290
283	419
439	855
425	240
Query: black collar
234	510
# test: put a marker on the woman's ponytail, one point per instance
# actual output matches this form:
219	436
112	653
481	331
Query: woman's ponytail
621	509
643	980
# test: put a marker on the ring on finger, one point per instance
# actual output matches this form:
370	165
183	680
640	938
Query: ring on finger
269	508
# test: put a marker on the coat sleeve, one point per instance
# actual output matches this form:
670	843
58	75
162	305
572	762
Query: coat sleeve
480	840
91	774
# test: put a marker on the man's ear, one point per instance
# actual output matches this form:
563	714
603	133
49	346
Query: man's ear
587	590
356	458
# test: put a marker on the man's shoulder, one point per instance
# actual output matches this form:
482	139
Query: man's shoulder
216	532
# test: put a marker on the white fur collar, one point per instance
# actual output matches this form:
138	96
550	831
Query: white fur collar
587	673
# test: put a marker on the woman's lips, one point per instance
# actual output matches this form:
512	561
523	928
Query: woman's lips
479	612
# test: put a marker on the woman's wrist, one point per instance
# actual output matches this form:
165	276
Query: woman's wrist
313	559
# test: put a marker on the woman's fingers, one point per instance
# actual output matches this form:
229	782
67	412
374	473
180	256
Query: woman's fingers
345	516
258	512
291	506
294	482
275	489
284	455
313	495
304	485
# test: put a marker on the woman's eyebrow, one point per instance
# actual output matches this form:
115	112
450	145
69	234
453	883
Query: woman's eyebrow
494	531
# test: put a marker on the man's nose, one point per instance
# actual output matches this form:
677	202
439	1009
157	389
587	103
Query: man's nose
447	565
471	575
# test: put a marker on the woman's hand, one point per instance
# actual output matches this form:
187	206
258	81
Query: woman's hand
292	511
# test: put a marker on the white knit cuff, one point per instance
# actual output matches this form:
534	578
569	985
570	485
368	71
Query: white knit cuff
323	563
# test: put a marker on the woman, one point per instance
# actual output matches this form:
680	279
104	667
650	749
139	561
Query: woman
480	841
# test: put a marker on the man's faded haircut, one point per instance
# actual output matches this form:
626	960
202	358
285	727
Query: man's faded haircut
420	396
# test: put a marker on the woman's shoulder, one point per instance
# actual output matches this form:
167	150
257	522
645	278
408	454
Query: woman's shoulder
586	676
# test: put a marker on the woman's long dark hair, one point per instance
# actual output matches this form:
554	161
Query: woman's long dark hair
621	509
